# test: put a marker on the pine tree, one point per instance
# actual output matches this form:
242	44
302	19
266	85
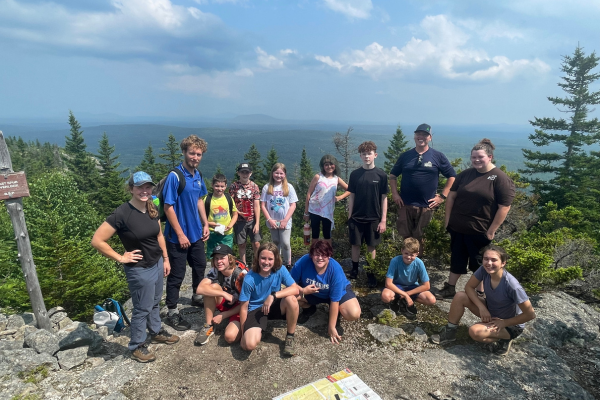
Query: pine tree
112	186
568	183
398	145
172	152
305	176
254	159
272	159
79	162
344	145
149	165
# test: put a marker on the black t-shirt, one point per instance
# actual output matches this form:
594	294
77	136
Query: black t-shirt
368	185
477	199
137	231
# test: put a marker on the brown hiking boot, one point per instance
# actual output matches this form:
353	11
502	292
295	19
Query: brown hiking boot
164	337
447	292
142	354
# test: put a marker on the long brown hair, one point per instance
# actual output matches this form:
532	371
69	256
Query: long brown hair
284	184
272	247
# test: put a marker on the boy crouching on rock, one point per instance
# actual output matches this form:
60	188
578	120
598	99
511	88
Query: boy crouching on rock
407	281
503	312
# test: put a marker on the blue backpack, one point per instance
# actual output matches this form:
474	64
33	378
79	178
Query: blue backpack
112	305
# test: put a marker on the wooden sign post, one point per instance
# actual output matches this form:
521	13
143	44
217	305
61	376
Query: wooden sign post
13	186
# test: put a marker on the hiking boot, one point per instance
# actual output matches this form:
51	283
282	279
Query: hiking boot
142	354
501	347
197	302
204	335
447	292
353	274
164	337
446	335
177	322
306	313
409	312
288	350
371	280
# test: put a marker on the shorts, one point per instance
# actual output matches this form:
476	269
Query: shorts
465	250
314	300
223	306
315	223
257	319
363	231
413	220
514	331
215	239
244	229
407	288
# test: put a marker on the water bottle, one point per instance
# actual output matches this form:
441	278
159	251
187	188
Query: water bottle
307	232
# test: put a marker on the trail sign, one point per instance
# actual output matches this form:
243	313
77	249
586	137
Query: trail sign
13	185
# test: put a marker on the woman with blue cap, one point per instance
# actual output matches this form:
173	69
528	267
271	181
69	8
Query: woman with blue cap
145	261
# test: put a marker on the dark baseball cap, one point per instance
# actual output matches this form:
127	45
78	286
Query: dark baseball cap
244	167
424	128
222	249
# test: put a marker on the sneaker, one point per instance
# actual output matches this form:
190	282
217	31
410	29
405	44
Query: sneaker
288	350
177	322
353	274
446	335
197	302
371	280
142	354
395	304
204	335
409	312
164	337
447	292
501	347
306	313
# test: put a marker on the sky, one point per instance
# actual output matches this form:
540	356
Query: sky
454	62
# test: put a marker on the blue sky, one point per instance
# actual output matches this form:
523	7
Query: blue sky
457	62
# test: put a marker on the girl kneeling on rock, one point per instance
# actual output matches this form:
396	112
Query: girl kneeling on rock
262	299
503	312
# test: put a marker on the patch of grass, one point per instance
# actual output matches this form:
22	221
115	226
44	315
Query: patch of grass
30	396
35	375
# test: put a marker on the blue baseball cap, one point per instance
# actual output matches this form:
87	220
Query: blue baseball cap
139	178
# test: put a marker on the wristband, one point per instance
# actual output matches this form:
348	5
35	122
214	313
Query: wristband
273	294
306	215
442	196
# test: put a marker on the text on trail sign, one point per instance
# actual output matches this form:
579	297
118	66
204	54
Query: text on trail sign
13	185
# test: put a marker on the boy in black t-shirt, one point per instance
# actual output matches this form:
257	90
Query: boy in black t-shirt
367	206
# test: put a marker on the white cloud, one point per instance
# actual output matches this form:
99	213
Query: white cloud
360	9
445	53
269	61
492	30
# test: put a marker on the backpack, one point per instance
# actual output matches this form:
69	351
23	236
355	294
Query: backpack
114	310
229	202
237	278
158	191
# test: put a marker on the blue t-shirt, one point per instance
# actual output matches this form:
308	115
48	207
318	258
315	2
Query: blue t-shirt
256	288
185	205
407	275
419	182
502	302
332	283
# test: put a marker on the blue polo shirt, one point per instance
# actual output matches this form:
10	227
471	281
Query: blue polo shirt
256	288
420	181
332	283
185	205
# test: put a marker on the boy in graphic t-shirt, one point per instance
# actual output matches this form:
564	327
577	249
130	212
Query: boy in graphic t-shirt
246	195
220	218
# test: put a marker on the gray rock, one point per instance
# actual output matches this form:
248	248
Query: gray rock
375	310
103	331
115	396
24	331
94	361
25	360
577	342
6	333
42	341
384	333
3	321
63	323
72	358
29	319
15	388
75	335
559	318
419	334
11	344
14	322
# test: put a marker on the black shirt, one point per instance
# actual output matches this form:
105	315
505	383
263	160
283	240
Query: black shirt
368	185
137	231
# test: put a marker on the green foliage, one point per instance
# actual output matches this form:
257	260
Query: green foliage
304	176
35	375
79	162
111	193
390	247
398	145
149	164
298	247
32	157
272	159
254	159
172	152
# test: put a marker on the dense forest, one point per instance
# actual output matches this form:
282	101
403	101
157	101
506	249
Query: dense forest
552	231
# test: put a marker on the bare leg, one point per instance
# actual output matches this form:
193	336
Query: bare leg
457	308
371	250
242	248
453	278
355	253
251	338
233	332
426	298
289	307
350	310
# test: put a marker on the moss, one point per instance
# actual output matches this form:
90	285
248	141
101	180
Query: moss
385	317
35	375
30	396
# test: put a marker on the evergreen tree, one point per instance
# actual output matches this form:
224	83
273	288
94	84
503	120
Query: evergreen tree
172	152
568	184
398	145
304	177
149	165
219	170
112	186
80	164
254	159
272	159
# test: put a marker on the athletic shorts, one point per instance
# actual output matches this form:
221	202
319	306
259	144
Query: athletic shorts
465	250
224	306
413	220
257	319
407	288
314	300
514	331
244	229
363	231
216	239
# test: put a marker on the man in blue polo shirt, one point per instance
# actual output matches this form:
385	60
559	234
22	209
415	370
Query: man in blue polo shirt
420	169
186	228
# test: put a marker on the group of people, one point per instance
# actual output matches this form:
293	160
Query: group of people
199	224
